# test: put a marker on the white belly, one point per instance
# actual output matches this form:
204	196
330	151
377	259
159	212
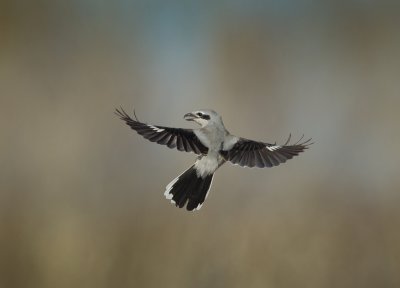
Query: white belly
207	165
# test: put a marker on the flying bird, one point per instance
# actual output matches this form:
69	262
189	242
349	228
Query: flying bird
214	146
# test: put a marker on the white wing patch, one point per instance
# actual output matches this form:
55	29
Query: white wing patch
273	148
158	130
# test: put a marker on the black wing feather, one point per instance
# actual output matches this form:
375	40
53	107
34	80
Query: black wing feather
182	139
249	153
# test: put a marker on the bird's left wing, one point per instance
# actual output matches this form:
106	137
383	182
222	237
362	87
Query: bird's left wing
249	153
181	139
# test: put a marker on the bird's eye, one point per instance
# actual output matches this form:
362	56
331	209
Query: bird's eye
200	114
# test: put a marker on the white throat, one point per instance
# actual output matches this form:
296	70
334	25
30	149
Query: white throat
202	122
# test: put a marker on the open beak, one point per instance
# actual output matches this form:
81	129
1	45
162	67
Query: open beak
189	116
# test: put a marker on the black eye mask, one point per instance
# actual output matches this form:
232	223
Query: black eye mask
203	116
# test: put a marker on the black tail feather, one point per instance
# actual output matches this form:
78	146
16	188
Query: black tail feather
189	188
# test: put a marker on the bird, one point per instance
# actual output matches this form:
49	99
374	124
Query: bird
214	146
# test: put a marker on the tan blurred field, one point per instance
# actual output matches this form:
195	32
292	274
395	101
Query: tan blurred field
81	195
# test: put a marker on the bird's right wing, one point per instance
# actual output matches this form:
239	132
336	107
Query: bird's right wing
249	153
182	139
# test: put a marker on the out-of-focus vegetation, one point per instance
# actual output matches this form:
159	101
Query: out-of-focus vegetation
81	199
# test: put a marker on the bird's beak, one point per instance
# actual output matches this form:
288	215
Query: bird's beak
189	116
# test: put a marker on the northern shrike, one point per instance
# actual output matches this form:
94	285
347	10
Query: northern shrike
214	145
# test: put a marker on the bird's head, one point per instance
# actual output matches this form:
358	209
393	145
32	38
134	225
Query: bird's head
203	117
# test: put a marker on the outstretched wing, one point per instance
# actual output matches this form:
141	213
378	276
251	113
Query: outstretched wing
249	153
182	139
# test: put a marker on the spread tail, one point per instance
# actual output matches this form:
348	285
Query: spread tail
189	188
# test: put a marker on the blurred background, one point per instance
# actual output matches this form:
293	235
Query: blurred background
81	199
